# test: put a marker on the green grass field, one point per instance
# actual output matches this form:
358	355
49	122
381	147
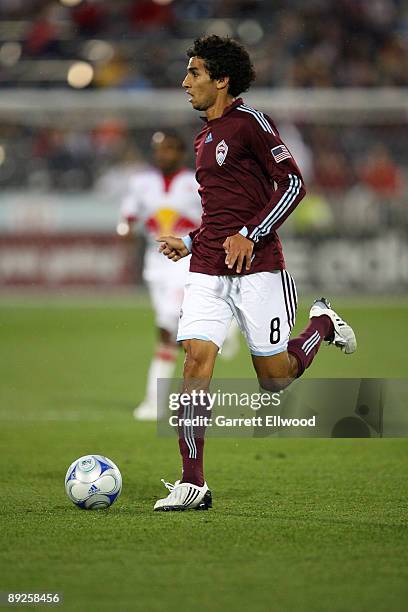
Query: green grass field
297	524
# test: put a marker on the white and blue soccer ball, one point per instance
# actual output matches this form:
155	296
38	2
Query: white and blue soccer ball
93	482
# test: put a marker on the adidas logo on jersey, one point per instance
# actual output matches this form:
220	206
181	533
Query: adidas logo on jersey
209	138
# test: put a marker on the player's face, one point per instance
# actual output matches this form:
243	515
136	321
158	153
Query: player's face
201	89
168	155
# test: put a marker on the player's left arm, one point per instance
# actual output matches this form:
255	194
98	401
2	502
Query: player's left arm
262	139
238	250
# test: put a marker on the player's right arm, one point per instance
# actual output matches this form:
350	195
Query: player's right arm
173	248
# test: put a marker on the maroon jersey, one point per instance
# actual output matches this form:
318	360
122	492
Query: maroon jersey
249	183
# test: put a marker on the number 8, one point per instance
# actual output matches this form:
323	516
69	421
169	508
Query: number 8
275	331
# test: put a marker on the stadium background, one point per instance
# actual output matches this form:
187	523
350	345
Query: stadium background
84	84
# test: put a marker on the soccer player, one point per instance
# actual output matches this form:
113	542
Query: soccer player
162	199
249	184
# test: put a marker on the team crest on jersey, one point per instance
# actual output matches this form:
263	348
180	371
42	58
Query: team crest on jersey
209	138
221	152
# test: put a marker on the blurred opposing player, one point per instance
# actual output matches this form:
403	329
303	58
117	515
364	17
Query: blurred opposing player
163	199
249	185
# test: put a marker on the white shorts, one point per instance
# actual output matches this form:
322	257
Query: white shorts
263	304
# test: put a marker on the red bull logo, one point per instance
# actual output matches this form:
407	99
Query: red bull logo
168	221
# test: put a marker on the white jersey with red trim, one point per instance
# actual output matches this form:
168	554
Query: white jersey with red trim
161	206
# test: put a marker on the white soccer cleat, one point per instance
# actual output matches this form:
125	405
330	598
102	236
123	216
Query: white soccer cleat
184	496
344	336
145	412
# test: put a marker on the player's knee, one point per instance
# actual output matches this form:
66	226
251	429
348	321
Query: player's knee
195	357
199	358
274	385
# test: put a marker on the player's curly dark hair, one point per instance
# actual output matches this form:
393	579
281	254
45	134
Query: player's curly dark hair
225	57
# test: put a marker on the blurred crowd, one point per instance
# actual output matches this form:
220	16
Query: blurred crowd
354	175
141	43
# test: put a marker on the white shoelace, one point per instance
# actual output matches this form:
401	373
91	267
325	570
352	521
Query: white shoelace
168	485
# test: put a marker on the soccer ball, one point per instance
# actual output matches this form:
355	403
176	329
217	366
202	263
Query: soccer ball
93	482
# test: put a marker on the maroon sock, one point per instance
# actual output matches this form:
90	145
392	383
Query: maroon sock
191	441
193	470
305	346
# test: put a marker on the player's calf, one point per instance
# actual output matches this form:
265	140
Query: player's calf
275	372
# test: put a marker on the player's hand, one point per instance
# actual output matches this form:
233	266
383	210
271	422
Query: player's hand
173	248
238	249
